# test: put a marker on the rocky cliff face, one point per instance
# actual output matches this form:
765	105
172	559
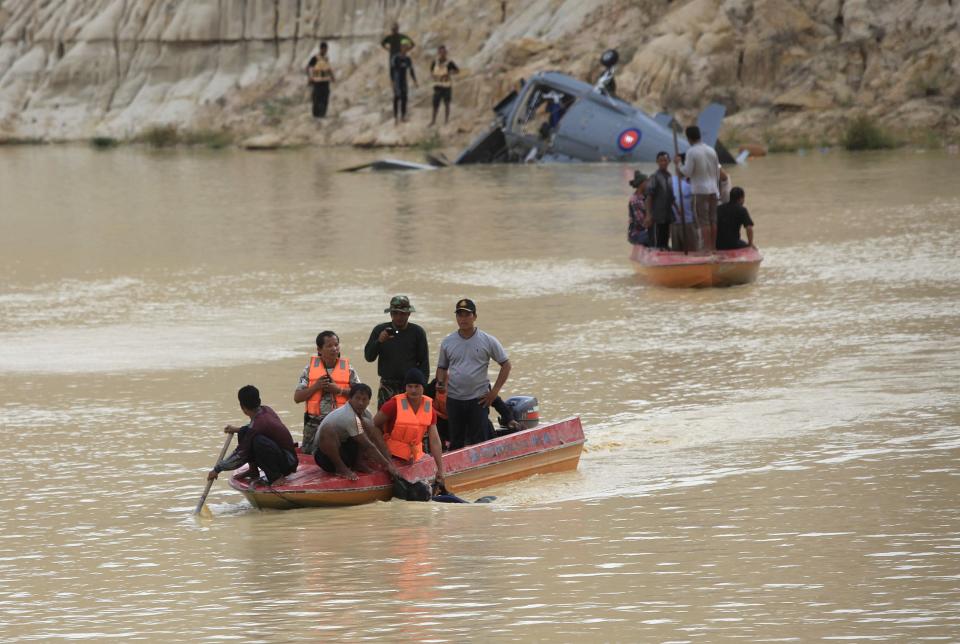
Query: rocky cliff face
798	70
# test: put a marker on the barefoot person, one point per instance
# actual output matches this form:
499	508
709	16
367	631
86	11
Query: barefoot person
264	443
346	433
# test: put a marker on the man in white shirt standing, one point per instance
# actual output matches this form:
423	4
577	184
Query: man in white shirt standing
703	169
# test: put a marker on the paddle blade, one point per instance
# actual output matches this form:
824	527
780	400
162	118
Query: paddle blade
205	512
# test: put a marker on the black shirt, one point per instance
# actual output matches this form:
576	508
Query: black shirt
405	350
730	216
395	40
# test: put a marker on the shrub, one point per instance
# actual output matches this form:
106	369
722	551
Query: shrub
161	136
864	134
103	142
214	139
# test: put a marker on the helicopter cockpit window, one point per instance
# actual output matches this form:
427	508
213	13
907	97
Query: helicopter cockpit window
543	110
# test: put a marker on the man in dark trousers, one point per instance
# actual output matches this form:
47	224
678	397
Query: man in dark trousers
321	75
264	443
659	202
397	346
442	70
462	365
400	66
730	217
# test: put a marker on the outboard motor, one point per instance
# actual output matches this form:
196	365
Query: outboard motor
525	409
606	84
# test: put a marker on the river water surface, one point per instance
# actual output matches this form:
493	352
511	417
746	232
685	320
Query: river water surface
772	462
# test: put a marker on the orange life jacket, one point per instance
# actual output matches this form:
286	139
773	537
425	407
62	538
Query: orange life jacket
340	375
440	403
405	439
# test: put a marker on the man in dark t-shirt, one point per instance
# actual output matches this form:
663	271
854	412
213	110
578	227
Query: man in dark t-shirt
730	217
398	346
392	41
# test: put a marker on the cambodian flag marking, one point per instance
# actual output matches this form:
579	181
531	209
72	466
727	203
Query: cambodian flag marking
628	139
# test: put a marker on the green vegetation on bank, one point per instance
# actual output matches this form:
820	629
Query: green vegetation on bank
864	134
165	136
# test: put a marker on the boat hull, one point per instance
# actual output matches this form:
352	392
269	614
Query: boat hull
674	269
552	447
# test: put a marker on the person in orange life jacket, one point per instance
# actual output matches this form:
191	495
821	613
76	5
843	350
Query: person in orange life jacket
346	431
406	418
324	385
263	443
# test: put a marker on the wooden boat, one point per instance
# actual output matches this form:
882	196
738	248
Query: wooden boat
675	269
552	447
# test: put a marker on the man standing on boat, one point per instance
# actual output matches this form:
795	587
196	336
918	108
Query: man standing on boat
659	198
703	169
407	418
323	385
264	443
462	370
397	346
347	431
637	211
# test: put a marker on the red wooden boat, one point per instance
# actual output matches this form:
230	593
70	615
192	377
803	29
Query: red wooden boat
675	269
553	447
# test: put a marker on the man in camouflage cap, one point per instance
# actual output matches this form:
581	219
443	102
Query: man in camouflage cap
398	346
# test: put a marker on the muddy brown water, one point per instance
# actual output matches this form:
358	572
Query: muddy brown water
773	462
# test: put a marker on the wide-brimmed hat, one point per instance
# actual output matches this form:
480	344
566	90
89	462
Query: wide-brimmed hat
400	303
638	178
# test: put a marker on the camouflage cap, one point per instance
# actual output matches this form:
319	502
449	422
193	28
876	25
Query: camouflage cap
400	303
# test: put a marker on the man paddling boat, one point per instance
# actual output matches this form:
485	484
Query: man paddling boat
264	443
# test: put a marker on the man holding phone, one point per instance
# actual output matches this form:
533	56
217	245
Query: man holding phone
324	386
398	346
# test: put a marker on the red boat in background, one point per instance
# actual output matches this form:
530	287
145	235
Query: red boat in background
675	269
553	447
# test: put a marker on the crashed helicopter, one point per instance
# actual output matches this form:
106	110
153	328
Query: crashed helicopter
555	118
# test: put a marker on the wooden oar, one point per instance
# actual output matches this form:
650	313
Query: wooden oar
202	508
676	169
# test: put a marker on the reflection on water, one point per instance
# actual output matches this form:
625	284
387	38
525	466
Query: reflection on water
769	462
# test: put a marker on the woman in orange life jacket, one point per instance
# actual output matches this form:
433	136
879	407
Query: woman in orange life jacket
324	385
406	418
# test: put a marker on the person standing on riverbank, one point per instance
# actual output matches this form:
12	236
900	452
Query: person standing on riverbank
320	74
462	368
397	346
703	169
323	385
264	443
400	66
442	71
